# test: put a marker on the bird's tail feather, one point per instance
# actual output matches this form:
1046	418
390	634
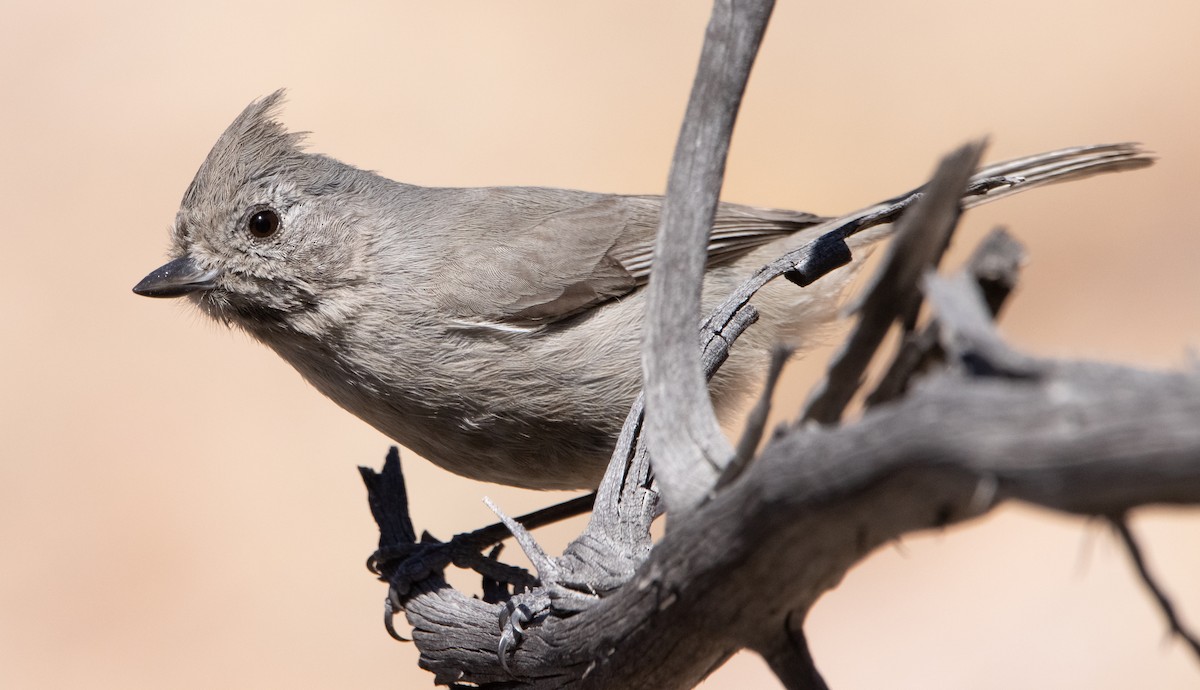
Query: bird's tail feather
1063	165
999	180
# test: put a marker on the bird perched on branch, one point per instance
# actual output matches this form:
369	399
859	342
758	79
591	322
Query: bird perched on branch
494	331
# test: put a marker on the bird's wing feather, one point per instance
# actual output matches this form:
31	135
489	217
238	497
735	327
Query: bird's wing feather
585	250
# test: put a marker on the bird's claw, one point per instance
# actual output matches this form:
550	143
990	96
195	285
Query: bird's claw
514	617
391	606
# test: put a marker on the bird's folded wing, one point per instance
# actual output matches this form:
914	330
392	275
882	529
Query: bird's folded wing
556	264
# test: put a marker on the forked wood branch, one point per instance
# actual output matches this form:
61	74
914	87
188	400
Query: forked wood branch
959	424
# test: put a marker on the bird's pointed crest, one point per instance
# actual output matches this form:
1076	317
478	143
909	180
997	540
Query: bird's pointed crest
254	144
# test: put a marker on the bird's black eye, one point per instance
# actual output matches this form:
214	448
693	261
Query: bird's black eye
263	223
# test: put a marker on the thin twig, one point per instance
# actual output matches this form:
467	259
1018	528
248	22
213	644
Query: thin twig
756	421
1121	525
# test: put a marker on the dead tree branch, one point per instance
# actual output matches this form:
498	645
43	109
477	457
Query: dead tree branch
1095	439
680	422
961	423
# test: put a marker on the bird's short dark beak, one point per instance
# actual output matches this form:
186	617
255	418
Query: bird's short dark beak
178	278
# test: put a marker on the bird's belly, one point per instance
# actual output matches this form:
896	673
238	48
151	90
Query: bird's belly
535	428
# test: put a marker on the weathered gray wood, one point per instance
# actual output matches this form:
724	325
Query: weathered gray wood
994	266
921	237
1095	439
789	657
688	449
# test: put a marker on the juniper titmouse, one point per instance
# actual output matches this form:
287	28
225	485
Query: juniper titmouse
494	331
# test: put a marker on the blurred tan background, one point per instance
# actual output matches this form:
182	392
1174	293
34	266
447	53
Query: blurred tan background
178	509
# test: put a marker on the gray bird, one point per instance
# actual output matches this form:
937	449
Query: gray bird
494	331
